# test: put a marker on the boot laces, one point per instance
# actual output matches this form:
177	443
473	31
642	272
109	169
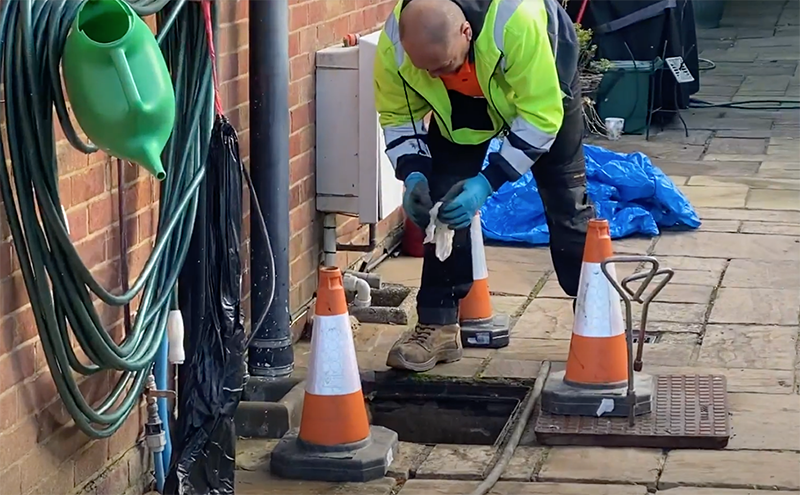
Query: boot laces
421	335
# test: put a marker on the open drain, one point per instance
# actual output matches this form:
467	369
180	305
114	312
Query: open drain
444	412
391	304
649	338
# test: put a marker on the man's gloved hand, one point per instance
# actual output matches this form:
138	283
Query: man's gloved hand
464	200
417	199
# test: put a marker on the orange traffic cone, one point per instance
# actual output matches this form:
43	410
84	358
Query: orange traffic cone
598	355
480	327
335	441
596	376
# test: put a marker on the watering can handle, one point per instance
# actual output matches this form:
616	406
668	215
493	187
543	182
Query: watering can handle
126	79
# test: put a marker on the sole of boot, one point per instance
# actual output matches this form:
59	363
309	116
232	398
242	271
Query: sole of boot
448	356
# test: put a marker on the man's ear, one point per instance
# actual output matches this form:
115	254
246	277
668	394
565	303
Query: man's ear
466	30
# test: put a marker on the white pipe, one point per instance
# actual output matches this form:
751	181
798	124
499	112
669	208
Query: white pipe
363	291
177	354
329	239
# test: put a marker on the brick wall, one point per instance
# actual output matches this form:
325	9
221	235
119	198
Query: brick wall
41	451
314	24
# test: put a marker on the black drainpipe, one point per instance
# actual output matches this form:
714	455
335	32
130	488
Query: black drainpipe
270	355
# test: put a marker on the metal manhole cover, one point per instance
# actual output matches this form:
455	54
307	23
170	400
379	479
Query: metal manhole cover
689	412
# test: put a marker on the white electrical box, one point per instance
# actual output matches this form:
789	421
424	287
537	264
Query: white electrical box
354	175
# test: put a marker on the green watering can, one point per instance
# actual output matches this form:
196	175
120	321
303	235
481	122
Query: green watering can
118	83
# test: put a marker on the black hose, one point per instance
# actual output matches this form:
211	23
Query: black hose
508	452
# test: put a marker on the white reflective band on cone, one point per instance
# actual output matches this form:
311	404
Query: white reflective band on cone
598	312
333	369
480	270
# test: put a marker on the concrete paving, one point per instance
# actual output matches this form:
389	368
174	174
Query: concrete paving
732	308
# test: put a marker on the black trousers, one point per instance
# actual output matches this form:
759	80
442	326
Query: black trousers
561	177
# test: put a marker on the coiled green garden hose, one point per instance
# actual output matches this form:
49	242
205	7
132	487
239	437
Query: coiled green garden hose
59	285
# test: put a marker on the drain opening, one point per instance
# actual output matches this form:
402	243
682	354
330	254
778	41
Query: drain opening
443	412
390	295
649	338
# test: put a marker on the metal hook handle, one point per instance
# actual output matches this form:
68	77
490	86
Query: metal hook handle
628	295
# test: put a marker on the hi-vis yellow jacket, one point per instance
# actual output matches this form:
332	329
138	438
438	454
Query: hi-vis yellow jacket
525	54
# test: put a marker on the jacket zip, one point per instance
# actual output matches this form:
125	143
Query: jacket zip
503	129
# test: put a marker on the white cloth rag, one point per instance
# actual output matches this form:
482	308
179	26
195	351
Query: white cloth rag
439	234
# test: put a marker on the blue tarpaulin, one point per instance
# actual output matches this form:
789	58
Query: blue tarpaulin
634	195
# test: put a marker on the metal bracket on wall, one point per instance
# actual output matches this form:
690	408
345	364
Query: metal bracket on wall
361	248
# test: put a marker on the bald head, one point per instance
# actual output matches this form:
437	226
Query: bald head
435	35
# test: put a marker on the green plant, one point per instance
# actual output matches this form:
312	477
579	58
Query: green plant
587	64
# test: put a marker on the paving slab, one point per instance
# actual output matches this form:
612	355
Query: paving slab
763	274
524	462
753	181
263	483
634	245
501	367
749	346
722	245
537	258
510	278
774	199
466	367
709	168
719	226
791	217
756	306
438	487
732	469
732	196
685	293
741	146
739	380
597	464
672	312
764	422
691	263
535	350
690	490
403	270
545	319
552	289
456	462
408	458
770	228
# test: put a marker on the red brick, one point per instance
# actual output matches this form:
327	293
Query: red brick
16	366
91	460
114	480
92	250
77	221
8	409
89	183
101	214
17	441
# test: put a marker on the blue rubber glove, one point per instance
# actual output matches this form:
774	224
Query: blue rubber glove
417	201
463	201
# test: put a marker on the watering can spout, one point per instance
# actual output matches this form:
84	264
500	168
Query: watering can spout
118	83
151	160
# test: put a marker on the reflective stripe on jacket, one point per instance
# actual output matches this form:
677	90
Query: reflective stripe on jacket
525	55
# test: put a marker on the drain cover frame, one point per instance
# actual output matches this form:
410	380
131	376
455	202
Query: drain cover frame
689	412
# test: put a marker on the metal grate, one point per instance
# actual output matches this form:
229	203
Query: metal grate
689	411
649	338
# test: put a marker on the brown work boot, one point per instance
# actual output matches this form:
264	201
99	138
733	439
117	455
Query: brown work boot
425	346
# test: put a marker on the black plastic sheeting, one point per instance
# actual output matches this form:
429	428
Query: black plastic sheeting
204	449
